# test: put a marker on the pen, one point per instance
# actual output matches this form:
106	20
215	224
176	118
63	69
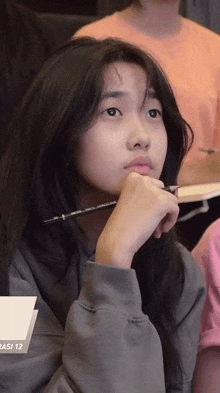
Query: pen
94	209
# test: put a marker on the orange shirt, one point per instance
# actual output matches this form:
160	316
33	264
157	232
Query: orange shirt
191	61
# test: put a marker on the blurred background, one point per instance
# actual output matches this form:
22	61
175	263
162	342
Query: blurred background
80	7
206	12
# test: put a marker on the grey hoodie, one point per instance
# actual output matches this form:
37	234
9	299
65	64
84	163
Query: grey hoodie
106	344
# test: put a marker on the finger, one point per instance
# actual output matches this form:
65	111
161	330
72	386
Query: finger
157	183
157	233
169	221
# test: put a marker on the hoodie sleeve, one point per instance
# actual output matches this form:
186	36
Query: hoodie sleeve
108	344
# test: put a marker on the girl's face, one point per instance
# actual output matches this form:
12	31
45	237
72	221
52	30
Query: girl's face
127	134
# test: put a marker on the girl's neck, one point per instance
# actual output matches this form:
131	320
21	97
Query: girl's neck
157	18
92	224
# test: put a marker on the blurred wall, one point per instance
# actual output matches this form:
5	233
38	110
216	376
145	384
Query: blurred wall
80	7
205	12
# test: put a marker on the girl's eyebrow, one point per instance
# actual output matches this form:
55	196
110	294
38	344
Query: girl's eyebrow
113	94
151	93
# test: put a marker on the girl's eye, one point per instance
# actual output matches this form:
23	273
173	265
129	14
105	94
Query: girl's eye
154	113
113	111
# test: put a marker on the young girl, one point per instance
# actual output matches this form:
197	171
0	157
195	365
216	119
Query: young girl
100	123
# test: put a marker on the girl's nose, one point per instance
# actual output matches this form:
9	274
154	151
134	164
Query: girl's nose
139	138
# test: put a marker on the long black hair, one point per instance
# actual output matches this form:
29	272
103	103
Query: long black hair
36	183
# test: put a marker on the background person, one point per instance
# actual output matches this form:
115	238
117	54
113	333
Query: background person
207	255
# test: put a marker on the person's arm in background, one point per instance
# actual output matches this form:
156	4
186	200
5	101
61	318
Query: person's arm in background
203	170
207	370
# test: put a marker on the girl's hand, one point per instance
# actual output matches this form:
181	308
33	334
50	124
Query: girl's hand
143	209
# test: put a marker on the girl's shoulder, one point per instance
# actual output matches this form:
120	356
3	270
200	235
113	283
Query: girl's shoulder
193	277
21	278
190	267
192	297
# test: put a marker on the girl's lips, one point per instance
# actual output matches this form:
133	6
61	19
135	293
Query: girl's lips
141	165
141	169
